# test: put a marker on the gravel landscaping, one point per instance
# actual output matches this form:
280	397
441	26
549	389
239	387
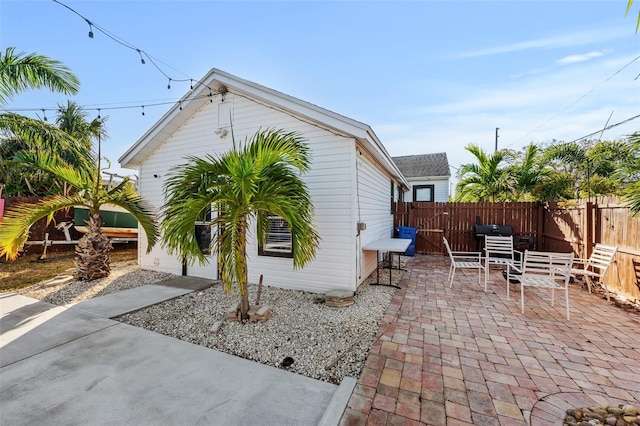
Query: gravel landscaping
311	338
323	343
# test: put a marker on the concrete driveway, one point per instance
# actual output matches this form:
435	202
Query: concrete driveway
74	365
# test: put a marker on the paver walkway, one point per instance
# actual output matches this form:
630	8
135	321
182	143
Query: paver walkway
462	356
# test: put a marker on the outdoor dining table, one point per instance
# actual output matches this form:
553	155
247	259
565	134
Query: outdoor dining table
390	246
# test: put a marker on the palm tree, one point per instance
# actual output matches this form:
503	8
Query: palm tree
484	181
258	179
71	141
526	172
93	248
21	72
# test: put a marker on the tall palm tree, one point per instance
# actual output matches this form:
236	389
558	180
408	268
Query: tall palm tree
93	248
484	181
254	180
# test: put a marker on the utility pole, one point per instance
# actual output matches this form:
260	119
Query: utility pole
496	150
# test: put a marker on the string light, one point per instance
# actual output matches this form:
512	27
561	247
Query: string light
99	118
128	45
142	109
169	84
180	105
44	115
90	28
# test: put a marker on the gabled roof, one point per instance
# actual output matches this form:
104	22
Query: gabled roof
425	165
217	82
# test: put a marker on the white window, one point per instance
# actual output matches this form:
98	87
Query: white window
279	241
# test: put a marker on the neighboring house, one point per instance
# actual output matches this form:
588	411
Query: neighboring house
352	179
428	176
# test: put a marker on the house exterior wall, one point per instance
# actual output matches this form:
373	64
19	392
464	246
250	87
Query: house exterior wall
440	188
373	207
331	183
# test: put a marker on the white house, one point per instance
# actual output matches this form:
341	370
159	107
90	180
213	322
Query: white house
428	176
352	179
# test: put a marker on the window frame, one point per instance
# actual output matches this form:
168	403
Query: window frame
269	253
418	187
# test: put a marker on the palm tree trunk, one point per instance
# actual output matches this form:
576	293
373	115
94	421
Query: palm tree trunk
243	274
92	252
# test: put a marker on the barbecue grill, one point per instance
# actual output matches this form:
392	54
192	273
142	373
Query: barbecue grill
479	231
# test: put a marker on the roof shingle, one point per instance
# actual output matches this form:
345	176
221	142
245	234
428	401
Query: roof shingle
423	165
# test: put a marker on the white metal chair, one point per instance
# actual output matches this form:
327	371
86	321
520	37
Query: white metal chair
596	265
463	260
498	250
546	270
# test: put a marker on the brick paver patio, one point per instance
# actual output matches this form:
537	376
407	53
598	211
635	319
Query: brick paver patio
462	356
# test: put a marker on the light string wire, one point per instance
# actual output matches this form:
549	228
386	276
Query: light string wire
143	54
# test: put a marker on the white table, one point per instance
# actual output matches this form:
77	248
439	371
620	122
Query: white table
389	245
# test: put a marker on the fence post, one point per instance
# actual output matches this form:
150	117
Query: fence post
539	227
588	228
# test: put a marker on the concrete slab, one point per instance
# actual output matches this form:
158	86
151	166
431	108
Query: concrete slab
114	304
127	375
28	327
191	283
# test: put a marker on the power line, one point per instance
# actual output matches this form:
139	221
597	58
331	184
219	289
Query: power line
576	101
606	128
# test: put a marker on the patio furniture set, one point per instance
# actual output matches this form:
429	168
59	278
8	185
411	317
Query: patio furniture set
540	269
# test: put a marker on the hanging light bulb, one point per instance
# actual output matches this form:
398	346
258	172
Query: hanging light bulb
191	85
180	106
142	106
99	118
141	58
169	85
44	115
90	28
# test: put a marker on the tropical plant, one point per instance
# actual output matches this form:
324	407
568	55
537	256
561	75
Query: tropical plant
632	172
525	172
71	141
252	181
92	260
485	180
21	72
591	167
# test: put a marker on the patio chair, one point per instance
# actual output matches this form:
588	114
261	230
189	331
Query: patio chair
545	270
463	260
498	250
596	265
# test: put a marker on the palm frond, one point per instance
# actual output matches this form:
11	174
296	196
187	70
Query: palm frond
17	221
20	72
79	179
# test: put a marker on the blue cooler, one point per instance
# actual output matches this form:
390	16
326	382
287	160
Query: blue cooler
408	232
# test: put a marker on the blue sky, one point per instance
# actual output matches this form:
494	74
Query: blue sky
427	76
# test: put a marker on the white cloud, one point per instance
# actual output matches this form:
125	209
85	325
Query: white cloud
572	59
577	38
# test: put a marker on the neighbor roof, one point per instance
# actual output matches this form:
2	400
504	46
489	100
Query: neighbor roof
219	82
424	165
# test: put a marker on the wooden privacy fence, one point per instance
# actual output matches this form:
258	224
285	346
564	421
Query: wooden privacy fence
456	221
562	227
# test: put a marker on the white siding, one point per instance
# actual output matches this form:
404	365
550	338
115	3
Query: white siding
373	207
440	188
329	182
